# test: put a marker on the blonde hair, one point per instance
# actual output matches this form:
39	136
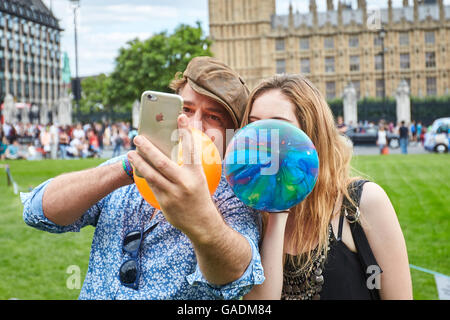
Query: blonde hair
311	218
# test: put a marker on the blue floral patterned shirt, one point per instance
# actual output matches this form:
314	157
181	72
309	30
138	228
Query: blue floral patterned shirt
169	269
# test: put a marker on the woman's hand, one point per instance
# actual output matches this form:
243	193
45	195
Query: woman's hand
272	255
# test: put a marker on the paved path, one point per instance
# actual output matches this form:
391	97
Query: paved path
413	148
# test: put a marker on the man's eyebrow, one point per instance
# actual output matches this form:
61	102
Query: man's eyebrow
219	110
189	103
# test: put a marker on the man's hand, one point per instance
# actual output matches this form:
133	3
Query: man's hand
222	253
181	191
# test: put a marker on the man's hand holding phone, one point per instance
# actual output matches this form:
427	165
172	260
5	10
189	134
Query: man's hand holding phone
181	191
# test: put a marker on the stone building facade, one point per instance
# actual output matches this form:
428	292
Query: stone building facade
338	46
30	72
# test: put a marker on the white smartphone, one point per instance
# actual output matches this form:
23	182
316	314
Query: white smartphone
158	120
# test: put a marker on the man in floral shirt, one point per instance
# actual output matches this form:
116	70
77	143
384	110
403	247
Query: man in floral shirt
197	246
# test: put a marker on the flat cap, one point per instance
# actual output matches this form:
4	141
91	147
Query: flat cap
210	77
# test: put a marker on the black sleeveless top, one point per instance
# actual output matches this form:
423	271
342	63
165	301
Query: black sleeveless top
343	275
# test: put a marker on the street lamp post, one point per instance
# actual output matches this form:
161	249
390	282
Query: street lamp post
76	6
382	35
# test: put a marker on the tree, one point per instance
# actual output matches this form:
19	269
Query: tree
153	63
94	97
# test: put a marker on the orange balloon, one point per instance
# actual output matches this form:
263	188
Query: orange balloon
211	163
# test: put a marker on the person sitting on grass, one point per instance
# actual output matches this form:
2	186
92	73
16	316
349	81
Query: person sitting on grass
12	151
3	146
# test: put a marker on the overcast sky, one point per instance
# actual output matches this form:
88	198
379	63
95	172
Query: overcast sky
106	25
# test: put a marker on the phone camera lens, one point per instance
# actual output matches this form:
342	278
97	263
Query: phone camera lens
150	97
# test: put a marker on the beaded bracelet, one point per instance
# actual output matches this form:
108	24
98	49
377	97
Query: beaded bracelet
127	167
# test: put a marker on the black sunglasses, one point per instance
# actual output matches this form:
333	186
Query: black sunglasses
129	271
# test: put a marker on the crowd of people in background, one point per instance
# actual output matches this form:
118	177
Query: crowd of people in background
35	141
416	131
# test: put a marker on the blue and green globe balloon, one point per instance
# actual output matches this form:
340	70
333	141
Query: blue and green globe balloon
271	165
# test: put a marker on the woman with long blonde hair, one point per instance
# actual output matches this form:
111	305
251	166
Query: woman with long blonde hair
311	251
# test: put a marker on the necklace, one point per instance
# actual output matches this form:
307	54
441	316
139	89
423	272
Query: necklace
301	285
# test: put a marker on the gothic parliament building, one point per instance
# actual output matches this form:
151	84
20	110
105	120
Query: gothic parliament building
373	49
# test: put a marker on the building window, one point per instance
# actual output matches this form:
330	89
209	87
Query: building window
403	39
305	66
11	87
353	42
379	87
430	59
377	40
431	86
19	88
429	37
329	64
328	42
354	63
9	23
304	44
331	89
281	66
404	61
279	44
379	62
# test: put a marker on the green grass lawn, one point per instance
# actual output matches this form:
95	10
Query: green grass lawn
419	189
33	264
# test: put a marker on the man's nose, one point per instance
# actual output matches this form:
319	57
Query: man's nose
196	120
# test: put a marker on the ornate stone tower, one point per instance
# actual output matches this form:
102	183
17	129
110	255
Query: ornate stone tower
239	30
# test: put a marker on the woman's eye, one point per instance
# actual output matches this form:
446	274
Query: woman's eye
186	110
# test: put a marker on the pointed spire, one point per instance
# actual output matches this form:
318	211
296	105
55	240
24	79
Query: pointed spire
291	16
312	6
441	10
416	10
330	6
313	10
362	4
390	12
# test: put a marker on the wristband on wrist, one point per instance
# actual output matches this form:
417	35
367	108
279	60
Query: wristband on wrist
127	167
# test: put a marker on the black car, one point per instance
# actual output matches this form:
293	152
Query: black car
368	135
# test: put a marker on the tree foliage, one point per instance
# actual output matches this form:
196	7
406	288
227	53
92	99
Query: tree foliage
153	63
95	93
